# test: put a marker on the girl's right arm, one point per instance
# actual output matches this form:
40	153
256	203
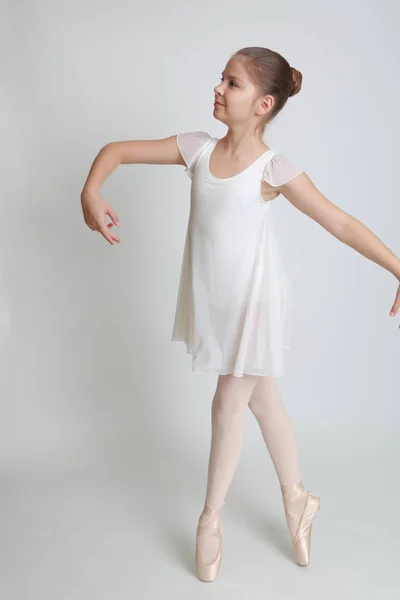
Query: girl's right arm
157	152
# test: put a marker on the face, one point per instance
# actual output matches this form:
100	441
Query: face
239	101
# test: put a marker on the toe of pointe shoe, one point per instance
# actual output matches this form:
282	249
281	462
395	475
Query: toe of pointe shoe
302	540
208	571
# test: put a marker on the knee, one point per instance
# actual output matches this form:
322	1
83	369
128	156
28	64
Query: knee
257	405
230	398
265	396
226	409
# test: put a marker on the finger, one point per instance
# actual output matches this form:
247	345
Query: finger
396	305
114	237
112	214
105	233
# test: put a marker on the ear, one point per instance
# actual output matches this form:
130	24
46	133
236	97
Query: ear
266	104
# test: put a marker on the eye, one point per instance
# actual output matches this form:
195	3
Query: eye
221	79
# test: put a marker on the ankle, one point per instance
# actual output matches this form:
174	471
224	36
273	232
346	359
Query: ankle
212	511
293	491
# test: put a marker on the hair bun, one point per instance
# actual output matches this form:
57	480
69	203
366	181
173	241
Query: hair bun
297	78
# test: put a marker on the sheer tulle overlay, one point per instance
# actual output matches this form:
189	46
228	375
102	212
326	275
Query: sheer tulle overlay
234	302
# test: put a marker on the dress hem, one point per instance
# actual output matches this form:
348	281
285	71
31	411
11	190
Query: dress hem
203	371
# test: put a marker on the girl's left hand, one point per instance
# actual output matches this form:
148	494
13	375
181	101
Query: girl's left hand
396	304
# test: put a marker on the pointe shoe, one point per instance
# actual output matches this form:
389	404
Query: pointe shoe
301	541
210	524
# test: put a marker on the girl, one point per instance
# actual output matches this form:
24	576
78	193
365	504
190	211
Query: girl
234	299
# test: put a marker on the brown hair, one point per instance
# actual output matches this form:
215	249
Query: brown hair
272	74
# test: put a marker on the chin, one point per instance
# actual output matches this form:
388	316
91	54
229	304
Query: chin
217	117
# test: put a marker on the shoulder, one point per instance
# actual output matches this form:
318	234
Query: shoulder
191	144
279	170
194	136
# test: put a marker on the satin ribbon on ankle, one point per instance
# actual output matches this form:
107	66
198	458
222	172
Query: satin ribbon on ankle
294	490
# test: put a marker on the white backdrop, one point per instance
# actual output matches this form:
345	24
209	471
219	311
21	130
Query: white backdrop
90	381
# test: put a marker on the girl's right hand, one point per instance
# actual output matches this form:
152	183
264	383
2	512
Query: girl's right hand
95	209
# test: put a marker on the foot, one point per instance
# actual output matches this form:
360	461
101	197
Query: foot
294	499
208	544
300	509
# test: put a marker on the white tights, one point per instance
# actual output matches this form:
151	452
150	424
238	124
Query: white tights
261	395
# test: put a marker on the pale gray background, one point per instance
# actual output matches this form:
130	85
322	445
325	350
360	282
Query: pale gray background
104	427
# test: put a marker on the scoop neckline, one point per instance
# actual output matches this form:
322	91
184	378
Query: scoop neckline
216	140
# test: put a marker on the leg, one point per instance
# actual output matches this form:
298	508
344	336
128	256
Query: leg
278	434
231	397
277	429
230	400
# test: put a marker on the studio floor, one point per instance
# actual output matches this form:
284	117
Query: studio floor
125	528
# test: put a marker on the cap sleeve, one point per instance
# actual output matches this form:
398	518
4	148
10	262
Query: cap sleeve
191	144
280	170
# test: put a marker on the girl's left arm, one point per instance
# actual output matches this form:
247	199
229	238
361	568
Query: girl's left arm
302	193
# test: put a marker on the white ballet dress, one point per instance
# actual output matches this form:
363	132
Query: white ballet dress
234	302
